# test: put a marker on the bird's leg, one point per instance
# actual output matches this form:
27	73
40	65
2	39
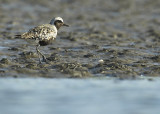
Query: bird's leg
44	58
38	52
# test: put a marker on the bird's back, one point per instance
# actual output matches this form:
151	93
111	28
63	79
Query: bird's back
42	32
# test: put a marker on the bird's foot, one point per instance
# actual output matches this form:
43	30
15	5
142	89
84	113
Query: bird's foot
45	59
40	62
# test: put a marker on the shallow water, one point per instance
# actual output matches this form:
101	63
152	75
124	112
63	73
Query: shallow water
80	96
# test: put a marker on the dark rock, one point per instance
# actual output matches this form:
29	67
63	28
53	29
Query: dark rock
4	61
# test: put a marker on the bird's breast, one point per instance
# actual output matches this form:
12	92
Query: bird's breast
45	42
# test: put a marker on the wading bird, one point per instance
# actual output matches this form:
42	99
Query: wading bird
44	34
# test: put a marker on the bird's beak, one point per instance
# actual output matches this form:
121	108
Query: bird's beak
65	25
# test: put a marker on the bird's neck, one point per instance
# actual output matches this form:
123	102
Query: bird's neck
57	26
52	22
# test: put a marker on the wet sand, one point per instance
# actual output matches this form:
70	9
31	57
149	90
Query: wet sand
113	38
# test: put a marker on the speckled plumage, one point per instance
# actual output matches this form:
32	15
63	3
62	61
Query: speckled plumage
44	34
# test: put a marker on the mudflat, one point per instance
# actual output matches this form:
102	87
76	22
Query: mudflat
114	38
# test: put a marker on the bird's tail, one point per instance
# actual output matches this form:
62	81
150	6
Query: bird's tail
22	36
26	35
18	36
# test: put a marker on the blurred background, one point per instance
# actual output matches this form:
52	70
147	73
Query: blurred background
84	14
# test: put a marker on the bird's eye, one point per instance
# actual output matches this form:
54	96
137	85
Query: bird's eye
59	21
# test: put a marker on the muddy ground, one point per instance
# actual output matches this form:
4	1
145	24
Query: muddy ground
113	38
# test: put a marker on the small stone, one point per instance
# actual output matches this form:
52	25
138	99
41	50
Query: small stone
101	61
13	49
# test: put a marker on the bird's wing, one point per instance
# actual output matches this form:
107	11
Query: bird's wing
40	32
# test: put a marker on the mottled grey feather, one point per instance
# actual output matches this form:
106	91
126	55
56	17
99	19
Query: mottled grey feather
42	32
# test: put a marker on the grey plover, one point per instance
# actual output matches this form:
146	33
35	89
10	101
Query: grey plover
44	34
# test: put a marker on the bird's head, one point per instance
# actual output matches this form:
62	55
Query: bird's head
58	22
